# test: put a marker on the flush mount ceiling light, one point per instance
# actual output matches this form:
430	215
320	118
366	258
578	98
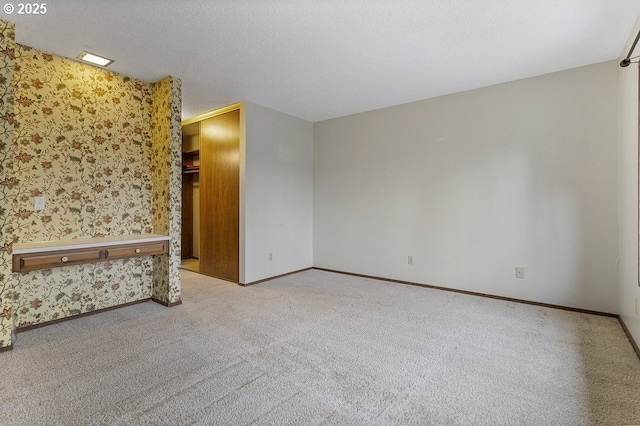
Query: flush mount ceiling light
95	59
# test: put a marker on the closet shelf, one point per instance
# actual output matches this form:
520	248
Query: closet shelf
190	169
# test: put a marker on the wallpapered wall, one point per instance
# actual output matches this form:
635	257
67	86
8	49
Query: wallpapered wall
7	178
85	139
167	184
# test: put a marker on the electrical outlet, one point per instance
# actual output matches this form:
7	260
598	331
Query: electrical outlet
410	260
38	203
519	272
270	257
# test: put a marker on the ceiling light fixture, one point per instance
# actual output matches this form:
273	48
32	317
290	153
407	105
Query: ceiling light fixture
95	59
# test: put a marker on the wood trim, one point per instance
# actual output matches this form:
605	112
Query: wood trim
167	304
473	293
84	314
213	113
275	277
6	348
629	336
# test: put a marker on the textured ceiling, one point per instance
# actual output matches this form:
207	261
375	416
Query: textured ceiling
319	59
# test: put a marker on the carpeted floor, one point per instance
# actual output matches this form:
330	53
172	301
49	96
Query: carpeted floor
323	348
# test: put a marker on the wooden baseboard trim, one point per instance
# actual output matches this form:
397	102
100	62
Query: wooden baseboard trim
6	348
473	293
167	304
629	336
276	277
72	317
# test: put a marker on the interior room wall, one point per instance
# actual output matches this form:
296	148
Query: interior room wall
278	188
8	181
83	141
474	184
628	192
167	187
190	142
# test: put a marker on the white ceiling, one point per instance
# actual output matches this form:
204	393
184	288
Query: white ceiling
319	59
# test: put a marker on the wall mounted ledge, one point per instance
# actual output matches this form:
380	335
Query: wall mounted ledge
51	254
81	243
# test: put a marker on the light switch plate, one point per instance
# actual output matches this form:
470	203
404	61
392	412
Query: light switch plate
38	203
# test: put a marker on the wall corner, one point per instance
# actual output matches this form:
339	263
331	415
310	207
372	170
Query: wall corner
7	180
167	186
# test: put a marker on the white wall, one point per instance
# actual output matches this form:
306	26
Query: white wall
477	183
278	194
628	190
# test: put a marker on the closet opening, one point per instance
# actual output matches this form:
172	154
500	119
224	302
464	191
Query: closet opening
211	194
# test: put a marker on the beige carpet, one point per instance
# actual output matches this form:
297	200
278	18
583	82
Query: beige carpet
322	348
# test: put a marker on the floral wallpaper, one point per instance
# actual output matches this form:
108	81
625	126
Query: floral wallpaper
83	140
106	159
8	180
50	294
167	184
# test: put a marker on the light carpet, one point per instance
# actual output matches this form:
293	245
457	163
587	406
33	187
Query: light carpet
323	348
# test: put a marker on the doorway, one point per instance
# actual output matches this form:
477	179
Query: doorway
211	194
